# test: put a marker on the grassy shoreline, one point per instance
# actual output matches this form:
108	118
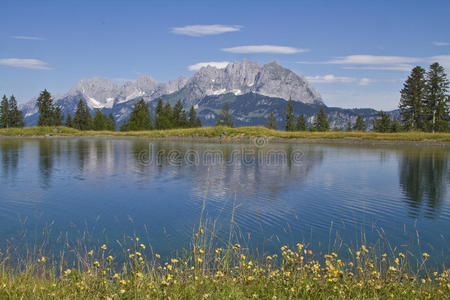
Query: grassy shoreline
233	133
229	273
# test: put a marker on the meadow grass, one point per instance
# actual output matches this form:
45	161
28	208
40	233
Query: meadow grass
226	132
205	272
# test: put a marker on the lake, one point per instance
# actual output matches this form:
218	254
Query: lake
329	196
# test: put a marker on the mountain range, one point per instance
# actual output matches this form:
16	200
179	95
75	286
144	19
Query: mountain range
252	91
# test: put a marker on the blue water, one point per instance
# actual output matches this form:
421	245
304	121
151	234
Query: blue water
58	190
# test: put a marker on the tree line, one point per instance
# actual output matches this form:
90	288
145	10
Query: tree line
10	115
424	106
320	121
165	117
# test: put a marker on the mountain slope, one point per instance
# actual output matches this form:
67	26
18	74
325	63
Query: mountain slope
252	91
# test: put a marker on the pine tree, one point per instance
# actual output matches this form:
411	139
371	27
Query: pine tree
349	126
396	126
411	100
47	112
68	122
321	123
383	123
301	123
271	121
111	123
139	118
179	116
290	118
193	120
225	117
163	116
15	115
360	125
436	102
58	116
4	113
82	119
100	121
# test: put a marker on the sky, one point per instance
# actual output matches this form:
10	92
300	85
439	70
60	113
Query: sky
355	53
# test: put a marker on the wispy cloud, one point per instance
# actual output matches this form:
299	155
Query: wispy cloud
264	49
374	62
28	63
330	78
441	44
216	64
25	37
202	30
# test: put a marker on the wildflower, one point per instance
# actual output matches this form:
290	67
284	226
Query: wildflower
67	272
137	239
90	253
364	249
283	248
401	255
42	259
123	282
218	250
397	261
138	253
236	247
139	275
116	276
269	258
250	278
122	291
243	257
142	246
157	255
104	247
199	260
201	231
110	258
96	264
200	250
131	255
169	267
174	260
425	255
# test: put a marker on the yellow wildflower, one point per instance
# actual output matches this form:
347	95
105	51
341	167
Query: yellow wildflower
142	246
104	247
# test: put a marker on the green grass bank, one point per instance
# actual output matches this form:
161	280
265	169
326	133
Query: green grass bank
225	132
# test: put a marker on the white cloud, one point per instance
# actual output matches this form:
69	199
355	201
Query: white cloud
365	81
264	49
24	37
330	78
216	64
373	60
28	63
379	62
441	44
202	30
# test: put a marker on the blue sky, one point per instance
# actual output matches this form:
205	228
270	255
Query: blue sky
356	53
